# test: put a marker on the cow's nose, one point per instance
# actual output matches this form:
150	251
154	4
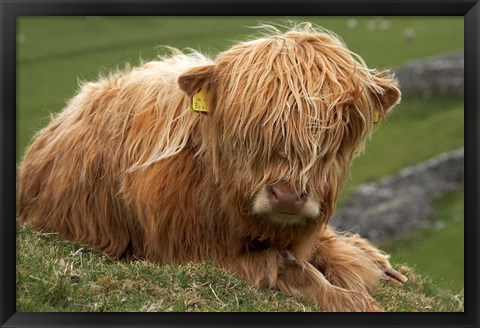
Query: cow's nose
284	200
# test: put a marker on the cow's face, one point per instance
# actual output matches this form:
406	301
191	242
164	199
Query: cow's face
286	116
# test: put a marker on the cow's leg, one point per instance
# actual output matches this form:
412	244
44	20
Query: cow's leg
351	262
271	268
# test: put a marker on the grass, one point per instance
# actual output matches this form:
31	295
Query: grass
80	279
54	275
421	246
53	53
415	131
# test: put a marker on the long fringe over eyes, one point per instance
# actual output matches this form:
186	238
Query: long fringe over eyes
299	99
301	94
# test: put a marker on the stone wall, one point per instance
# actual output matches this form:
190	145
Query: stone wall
400	203
435	76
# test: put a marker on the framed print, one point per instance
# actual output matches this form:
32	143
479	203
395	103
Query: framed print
234	163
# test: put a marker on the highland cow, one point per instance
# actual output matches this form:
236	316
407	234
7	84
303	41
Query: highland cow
239	160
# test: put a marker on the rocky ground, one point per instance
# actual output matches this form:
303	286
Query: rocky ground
435	76
401	203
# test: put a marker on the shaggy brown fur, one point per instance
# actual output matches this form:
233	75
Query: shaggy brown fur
126	166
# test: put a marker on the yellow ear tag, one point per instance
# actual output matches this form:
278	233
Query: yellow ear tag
199	103
376	117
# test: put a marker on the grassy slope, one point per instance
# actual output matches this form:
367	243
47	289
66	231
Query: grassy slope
54	52
57	275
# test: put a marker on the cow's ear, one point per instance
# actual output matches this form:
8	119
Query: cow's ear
196	78
385	92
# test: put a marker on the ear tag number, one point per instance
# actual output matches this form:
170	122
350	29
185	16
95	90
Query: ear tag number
199	103
376	117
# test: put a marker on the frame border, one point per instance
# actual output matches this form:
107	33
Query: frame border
10	10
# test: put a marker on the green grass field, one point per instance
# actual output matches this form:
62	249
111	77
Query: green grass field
54	53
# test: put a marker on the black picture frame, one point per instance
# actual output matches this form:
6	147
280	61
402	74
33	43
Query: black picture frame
10	10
